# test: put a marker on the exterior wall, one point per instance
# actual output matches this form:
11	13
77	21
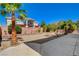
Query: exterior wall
4	31
25	31
29	30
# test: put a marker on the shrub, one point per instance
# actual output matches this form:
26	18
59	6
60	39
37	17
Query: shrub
18	29
44	26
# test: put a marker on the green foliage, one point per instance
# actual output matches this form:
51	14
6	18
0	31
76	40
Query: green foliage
51	27
77	23
22	16
44	26
17	28
67	26
74	27
69	21
8	8
61	24
43	23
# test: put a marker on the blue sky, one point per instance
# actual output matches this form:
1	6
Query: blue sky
50	12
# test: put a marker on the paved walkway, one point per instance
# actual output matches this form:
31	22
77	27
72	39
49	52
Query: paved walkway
27	38
64	46
20	50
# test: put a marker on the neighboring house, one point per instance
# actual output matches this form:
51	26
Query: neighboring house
28	22
18	21
28	25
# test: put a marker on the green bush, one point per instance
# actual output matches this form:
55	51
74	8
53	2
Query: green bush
51	27
18	29
44	26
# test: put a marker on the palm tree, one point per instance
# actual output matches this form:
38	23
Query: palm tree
0	15
23	17
11	8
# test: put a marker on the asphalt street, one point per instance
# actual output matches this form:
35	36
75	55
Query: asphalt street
67	45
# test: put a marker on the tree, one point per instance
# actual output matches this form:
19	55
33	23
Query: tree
69	21
74	26
70	26
77	23
44	26
17	28
61	24
22	16
51	27
12	8
0	15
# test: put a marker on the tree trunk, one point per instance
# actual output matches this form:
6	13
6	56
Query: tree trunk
14	41
0	35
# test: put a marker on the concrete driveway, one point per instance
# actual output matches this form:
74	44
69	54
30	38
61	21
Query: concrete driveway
67	45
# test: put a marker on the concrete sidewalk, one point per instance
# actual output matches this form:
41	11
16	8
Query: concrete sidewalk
20	50
27	38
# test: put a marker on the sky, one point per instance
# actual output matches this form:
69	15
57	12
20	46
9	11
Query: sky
49	12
